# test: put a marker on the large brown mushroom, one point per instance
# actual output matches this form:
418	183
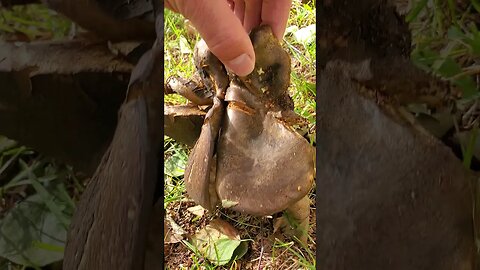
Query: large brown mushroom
248	156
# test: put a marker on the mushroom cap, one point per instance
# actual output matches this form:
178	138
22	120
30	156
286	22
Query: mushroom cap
210	69
258	162
271	75
199	179
263	166
200	171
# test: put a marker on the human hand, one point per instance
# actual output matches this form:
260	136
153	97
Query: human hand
225	24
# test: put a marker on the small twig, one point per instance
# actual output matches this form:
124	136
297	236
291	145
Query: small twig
469	114
260	259
239	222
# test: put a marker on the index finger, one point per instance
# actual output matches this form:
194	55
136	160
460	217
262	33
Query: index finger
222	31
275	13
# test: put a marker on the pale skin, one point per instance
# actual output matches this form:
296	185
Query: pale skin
225	24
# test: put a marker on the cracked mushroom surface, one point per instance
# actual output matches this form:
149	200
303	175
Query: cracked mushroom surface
248	155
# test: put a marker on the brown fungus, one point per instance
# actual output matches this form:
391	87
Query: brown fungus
248	157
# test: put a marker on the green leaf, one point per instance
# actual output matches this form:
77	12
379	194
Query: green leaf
27	225
476	5
216	246
49	200
6	144
175	164
48	247
449	68
425	57
455	33
474	43
470	39
241	250
218	251
22	176
468	86
412	15
11	160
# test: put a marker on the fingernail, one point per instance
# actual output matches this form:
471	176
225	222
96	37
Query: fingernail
241	65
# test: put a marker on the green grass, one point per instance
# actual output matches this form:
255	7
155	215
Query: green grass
447	41
175	161
36	205
32	22
447	44
179	43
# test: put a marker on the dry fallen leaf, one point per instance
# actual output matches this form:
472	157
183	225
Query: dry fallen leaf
173	232
228	204
197	210
225	228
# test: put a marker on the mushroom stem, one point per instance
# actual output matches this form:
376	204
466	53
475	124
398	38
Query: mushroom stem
298	219
192	89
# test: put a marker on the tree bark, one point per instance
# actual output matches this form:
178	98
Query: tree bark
69	112
64	110
109	228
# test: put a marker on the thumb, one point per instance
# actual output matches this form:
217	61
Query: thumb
222	31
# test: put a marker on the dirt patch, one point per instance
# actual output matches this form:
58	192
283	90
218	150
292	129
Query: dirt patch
266	250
